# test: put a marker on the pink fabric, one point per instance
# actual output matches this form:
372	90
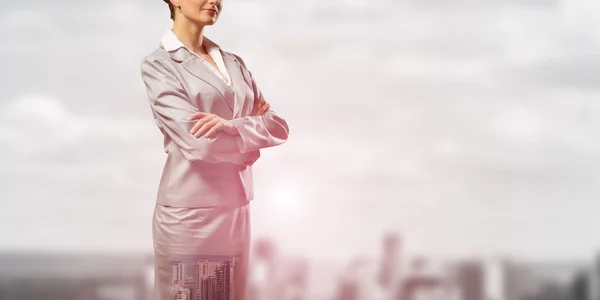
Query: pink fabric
201	252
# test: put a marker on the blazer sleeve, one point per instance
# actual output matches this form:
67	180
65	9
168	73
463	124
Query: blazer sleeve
172	108
259	132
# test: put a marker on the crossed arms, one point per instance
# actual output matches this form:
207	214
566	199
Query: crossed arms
236	141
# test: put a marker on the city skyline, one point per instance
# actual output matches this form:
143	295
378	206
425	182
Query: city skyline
467	126
201	277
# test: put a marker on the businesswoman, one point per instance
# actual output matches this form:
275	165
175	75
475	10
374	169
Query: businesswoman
214	120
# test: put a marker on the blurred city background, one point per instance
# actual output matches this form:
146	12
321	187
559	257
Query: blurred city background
439	149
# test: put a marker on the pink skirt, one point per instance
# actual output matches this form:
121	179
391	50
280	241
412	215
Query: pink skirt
201	253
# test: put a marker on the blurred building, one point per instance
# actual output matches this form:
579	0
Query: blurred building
579	288
81	277
294	279
585	284
504	279
373	278
276	276
264	271
593	274
428	280
390	268
469	276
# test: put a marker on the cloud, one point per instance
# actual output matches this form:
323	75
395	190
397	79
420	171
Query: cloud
11	21
581	15
35	123
483	110
576	71
442	5
82	168
43	141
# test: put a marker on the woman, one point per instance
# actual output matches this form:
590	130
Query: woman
214	120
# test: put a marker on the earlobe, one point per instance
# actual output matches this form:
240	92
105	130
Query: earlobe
176	4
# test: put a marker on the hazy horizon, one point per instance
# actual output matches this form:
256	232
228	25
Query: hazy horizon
467	127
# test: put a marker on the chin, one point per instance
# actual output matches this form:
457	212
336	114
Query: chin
206	21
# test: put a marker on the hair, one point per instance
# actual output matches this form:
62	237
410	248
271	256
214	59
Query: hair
171	9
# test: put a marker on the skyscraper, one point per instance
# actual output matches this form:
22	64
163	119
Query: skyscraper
212	280
470	279
178	273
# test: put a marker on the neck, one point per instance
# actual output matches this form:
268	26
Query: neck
190	34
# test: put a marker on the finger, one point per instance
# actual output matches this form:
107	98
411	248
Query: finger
260	111
214	129
198	115
260	101
257	105
199	124
264	109
202	122
256	108
207	126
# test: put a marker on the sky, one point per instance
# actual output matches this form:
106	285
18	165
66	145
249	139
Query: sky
466	126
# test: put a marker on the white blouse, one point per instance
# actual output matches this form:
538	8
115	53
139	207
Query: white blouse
171	43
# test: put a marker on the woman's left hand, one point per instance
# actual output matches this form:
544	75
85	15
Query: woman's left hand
209	124
261	106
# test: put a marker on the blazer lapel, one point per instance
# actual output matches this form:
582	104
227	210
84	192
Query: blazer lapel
195	66
237	82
